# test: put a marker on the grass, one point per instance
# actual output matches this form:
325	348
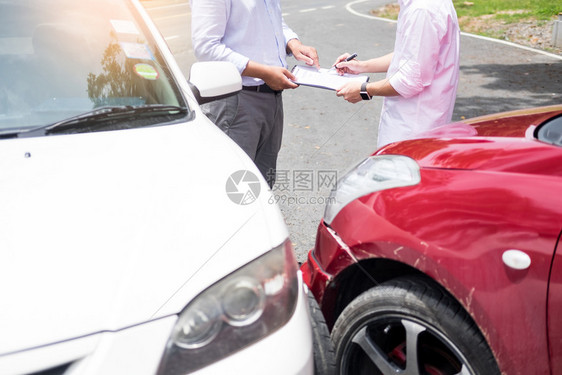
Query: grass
510	11
527	22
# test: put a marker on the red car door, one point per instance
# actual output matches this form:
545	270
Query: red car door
554	318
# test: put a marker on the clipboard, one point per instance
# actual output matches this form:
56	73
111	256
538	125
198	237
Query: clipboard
328	79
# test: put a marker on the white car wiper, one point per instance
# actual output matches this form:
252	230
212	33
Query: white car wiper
102	114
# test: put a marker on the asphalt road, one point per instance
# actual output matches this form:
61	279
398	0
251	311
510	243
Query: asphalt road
324	136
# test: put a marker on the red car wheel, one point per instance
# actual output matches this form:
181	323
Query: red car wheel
407	326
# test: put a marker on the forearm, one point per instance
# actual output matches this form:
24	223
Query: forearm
257	70
276	77
352	91
381	88
377	65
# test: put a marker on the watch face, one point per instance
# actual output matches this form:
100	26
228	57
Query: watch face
365	96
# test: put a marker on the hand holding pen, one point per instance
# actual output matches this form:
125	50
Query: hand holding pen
346	63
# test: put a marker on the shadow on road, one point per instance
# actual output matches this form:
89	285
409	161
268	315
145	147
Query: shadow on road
519	86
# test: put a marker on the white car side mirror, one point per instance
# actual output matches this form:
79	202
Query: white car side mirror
212	80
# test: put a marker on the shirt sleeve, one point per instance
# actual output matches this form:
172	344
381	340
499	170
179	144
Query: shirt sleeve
416	53
288	33
208	24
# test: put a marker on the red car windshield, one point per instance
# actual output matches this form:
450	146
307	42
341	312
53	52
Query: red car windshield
551	131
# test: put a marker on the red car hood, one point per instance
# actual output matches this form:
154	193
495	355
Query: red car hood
500	142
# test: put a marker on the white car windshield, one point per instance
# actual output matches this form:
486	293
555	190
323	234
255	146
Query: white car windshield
63	58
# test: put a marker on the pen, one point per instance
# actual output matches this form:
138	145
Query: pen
351	57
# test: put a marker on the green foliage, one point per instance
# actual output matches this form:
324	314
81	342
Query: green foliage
509	10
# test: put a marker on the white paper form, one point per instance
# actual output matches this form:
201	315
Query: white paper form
324	78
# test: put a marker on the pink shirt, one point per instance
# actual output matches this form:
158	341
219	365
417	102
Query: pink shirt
424	70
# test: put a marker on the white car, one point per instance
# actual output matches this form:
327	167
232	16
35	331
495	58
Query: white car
135	237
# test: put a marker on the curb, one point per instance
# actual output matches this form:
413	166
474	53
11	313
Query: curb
555	56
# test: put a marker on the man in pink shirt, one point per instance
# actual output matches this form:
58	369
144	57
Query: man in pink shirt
422	73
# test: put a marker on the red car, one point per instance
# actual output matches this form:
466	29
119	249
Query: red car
438	255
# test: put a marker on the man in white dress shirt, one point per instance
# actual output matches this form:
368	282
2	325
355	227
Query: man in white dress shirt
422	73
254	37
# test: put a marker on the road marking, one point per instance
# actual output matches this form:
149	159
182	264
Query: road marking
308	10
513	45
350	10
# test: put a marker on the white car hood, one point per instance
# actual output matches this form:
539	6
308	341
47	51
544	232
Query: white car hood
103	231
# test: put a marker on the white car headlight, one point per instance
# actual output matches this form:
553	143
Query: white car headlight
237	311
373	174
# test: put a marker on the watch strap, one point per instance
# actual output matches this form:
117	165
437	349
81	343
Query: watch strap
364	93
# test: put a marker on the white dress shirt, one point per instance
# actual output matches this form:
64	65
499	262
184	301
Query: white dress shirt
424	70
239	31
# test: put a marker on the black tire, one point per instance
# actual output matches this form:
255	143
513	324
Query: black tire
409	326
324	357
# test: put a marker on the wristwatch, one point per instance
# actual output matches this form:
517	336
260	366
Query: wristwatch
364	93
